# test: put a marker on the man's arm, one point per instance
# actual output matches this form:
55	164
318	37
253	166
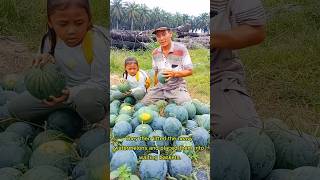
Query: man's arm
239	37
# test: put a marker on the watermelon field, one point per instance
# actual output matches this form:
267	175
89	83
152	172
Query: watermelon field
162	140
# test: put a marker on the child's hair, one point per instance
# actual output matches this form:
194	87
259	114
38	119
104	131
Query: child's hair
129	60
52	6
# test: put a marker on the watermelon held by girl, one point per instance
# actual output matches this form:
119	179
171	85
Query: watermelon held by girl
46	81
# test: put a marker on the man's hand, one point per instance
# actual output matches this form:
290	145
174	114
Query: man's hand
238	37
42	60
169	74
57	100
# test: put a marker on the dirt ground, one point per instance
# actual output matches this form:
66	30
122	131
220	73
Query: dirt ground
15	56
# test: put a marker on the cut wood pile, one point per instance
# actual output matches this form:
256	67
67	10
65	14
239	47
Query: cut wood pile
134	40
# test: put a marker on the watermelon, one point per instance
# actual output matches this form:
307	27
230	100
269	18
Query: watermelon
180	113
97	163
145	115
45	82
134	123
153	169
172	127
258	147
230	161
200	136
12	155
143	130
161	78
6	96
135	143
124	87
138	106
191	124
138	94
169	109
9	173
124	157
116	95
183	142
201	108
191	109
114	107
157	142
157	123
183	166
305	173
279	174
56	153
49	135
123	117
153	107
130	100
11	138
273	126
90	140
13	82
44	173
23	129
112	118
79	170
124	104
66	121
121	129
203	121
161	104
294	150
126	110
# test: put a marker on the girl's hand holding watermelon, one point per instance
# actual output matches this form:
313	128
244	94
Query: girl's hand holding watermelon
57	100
42	60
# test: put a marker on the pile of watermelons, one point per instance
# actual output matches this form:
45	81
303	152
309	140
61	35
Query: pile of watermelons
155	141
55	148
274	152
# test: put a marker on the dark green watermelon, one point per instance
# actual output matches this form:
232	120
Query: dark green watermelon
90	140
9	173
44	173
60	154
49	135
23	129
66	121
12	155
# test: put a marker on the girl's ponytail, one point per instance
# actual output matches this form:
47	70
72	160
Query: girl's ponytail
52	37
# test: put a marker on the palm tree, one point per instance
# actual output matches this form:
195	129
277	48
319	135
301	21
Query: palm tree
144	14
132	12
117	11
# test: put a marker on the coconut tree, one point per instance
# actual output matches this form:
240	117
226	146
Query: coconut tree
117	11
132	12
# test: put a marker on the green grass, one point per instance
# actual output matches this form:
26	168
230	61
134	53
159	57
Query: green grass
27	20
198	83
283	72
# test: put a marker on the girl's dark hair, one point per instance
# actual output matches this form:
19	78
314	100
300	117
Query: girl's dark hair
52	6
129	60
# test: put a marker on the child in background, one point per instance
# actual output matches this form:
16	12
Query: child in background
80	51
137	78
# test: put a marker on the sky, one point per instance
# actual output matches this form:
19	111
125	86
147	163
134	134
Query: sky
190	7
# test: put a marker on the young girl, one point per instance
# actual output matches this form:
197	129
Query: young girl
80	50
137	78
